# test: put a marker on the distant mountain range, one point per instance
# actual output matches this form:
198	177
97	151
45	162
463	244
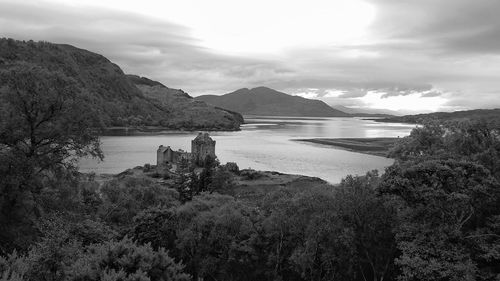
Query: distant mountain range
129	100
490	115
269	102
118	99
365	112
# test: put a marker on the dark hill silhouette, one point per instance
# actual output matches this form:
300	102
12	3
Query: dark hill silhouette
266	101
490	115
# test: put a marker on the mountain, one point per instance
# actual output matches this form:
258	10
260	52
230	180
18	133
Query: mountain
365	113
490	115
118	99
184	108
266	101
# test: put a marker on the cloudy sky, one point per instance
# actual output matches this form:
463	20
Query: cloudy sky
402	55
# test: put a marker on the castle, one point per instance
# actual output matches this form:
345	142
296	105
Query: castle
202	147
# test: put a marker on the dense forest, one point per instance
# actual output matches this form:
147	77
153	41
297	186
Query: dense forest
115	98
433	215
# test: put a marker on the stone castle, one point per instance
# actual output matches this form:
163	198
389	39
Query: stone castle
202	147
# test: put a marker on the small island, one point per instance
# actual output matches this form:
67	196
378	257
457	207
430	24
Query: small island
199	170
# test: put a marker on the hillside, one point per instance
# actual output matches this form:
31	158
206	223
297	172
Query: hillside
184	111
266	101
491	115
118	99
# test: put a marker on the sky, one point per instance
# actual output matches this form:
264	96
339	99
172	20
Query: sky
400	56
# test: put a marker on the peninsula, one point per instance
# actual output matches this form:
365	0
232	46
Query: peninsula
373	146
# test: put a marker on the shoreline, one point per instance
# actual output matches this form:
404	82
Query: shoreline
247	184
151	130
372	146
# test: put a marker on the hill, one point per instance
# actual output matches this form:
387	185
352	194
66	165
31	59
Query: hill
266	101
491	115
365	113
184	110
118	99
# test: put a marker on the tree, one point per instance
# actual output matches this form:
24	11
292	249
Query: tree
157	226
124	198
372	222
187	185
426	140
45	126
125	260
446	212
13	267
45	119
476	140
222	181
216	238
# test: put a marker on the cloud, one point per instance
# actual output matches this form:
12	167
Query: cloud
353	93
333	93
431	93
415	49
140	45
404	90
307	95
446	25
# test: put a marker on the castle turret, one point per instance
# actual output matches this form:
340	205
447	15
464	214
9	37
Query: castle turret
202	146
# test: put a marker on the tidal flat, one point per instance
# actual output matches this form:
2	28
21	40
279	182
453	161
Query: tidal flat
372	146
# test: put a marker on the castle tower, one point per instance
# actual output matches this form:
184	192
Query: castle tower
202	146
163	155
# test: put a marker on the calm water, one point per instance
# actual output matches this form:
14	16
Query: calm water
265	143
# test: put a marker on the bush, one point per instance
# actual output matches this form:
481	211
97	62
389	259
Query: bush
125	198
232	167
125	260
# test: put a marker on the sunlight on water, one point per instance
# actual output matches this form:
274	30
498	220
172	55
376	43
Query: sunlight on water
263	144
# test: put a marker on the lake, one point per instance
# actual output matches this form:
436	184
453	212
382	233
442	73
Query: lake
264	143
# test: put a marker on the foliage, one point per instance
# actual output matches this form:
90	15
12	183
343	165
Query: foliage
372	222
423	141
433	215
232	167
118	99
57	249
13	267
216	240
125	260
156	226
124	198
442	204
477	141
111	260
44	128
213	177
222	181
306	239
318	234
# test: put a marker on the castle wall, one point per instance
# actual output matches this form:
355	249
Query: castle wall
169	155
164	155
201	147
160	156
